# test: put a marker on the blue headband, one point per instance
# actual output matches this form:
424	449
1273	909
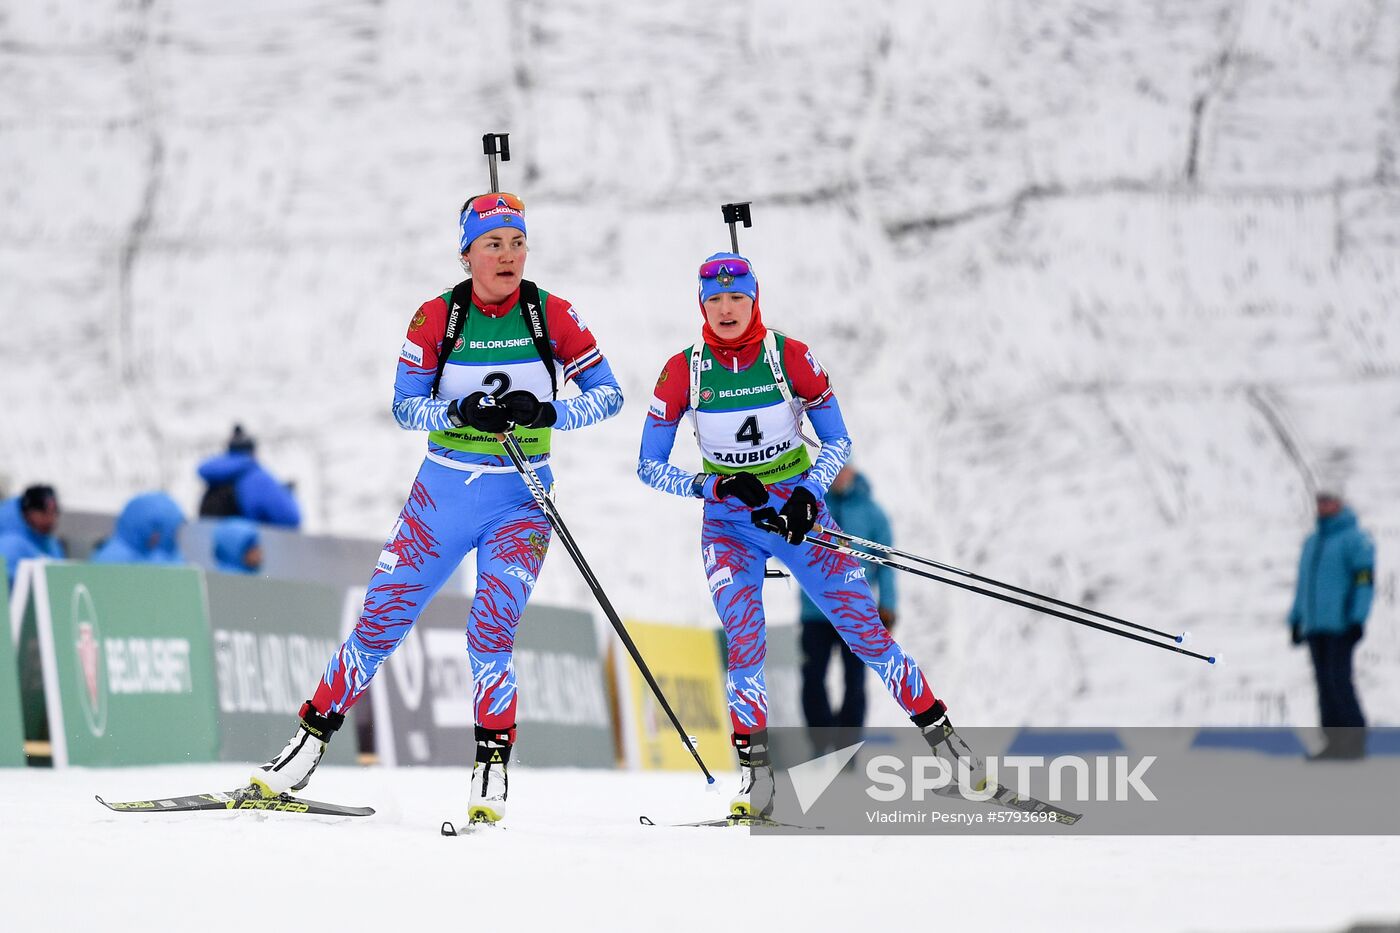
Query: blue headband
474	225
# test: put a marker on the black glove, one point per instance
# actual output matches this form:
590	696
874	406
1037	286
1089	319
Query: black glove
479	411
887	618
1297	634
528	411
799	514
767	519
748	488
1354	633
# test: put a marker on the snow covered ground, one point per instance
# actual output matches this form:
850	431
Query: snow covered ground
575	858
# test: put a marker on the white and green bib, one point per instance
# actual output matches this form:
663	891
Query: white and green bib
494	355
747	421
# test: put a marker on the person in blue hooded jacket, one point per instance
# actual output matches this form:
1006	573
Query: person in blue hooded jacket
27	526
238	485
145	533
1336	578
857	513
237	546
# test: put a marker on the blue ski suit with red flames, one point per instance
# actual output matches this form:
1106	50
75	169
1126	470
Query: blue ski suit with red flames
743	422
467	495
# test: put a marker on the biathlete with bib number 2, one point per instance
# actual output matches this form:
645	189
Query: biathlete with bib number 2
746	389
512	346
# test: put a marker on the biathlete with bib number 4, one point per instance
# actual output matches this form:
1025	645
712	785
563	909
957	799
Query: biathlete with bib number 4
486	358
746	389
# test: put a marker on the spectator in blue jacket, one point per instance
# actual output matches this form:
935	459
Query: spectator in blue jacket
238	485
145	533
1336	577
856	513
237	546
27	526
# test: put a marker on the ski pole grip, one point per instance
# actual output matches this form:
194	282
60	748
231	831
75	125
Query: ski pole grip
768	519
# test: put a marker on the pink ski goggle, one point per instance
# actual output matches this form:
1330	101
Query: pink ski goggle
717	268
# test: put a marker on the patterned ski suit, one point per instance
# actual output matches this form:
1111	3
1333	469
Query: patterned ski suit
743	422
467	496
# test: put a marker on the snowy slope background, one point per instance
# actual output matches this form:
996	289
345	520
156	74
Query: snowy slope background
1103	287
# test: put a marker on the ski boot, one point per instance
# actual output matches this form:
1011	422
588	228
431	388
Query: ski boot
754	802
292	767
950	747
490	782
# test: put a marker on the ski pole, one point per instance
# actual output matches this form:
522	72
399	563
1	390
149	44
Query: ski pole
768	524
893	565
733	214
543	500
863	544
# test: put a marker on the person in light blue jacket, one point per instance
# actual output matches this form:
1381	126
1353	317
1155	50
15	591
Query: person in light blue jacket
1336	579
145	533
237	546
27	526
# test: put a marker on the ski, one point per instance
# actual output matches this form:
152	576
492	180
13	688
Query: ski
235	800
469	829
746	821
1006	797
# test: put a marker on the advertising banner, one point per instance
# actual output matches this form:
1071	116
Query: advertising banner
25	631
688	668
422	695
271	642
11	723
128	671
